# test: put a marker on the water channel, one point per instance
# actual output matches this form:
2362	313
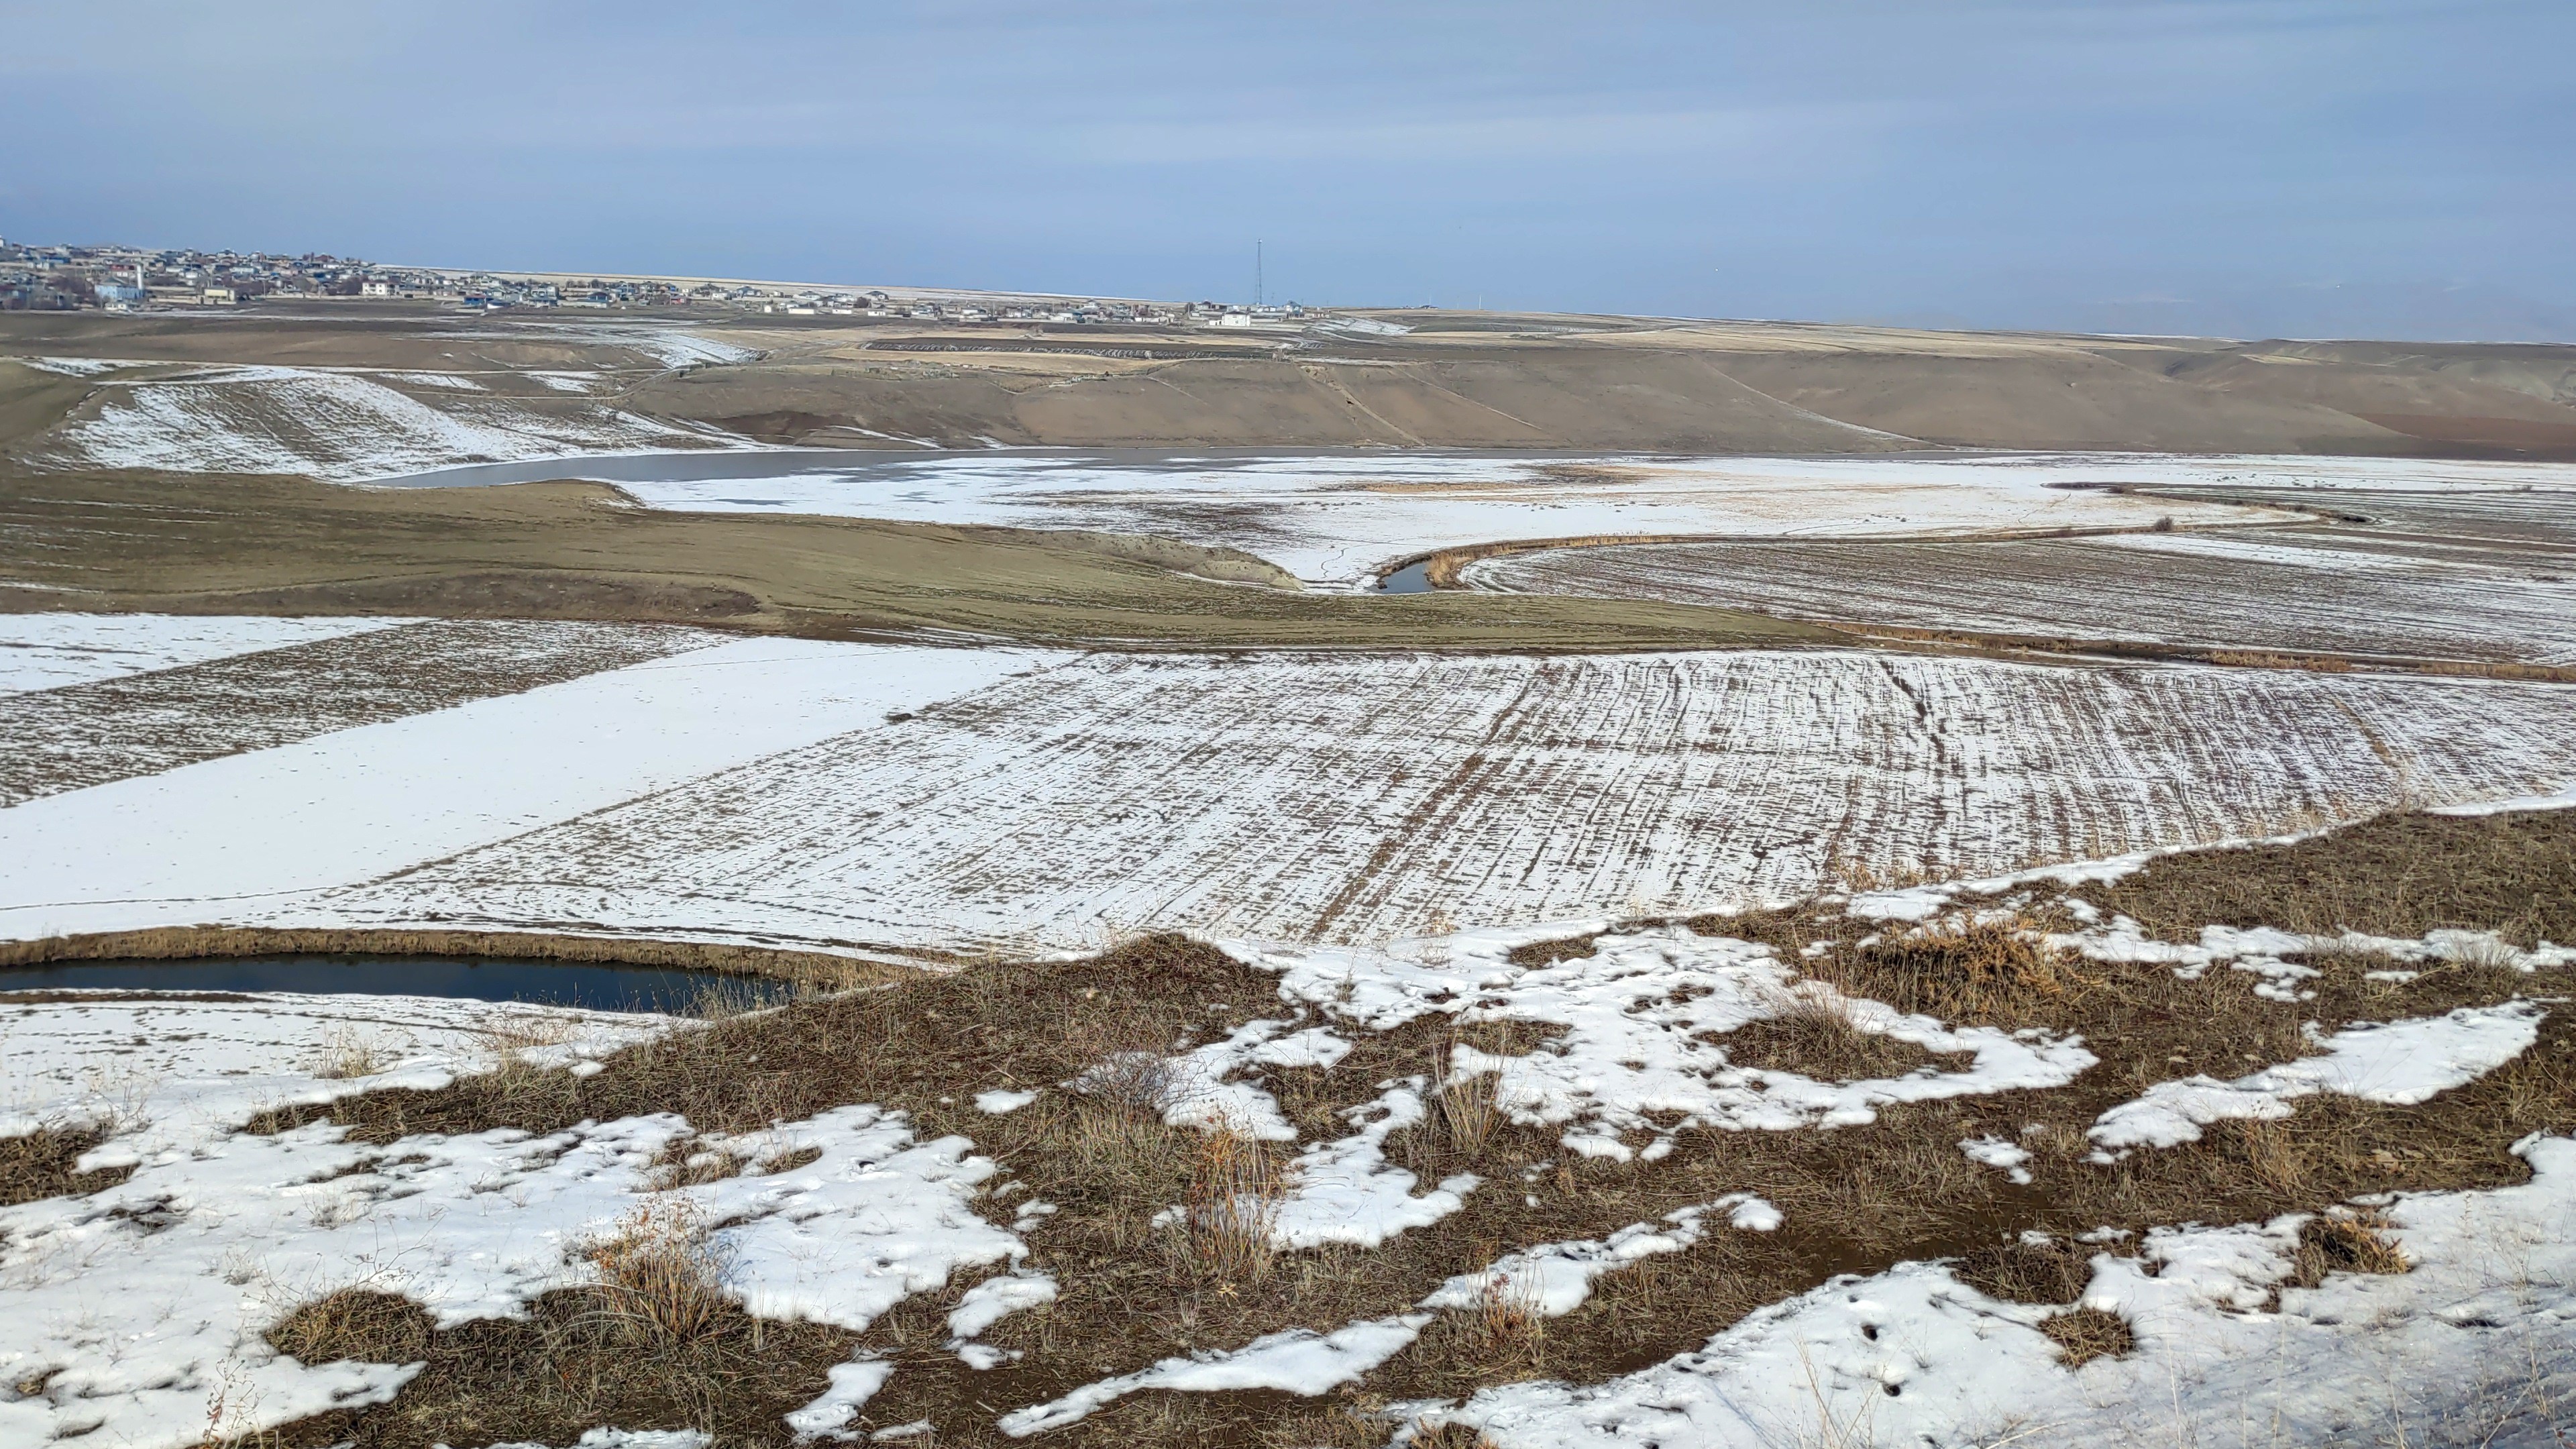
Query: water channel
547	983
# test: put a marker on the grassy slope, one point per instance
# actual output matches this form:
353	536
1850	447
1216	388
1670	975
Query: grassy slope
1857	1199
1700	387
275	545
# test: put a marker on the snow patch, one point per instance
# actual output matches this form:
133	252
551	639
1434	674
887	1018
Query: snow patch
2398	1062
51	651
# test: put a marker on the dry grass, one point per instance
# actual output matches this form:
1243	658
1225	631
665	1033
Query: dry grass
44	1163
662	1279
1812	1034
1235	1192
2355	1242
344	1053
1857	1199
2032	1268
2085	1334
2268	659
1957	970
1463	1111
2399	875
359	1323
192	943
2501	669
1532	955
1505	1320
580	1358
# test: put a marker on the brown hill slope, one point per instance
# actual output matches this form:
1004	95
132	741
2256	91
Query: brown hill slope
1470	380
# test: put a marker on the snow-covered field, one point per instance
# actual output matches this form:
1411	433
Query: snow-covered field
49	651
144	722
849	795
1342	521
2264	589
341	426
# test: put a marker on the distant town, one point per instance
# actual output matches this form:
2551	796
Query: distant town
137	279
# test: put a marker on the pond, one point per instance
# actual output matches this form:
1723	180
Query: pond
1413	578
547	983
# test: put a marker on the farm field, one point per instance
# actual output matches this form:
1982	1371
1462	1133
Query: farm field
2475	572
95	731
1344	521
860	796
1222	1001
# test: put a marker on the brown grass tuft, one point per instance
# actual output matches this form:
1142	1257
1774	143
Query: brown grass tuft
2339	1243
345	1054
1958	971
1505	1319
2085	1334
41	1164
1531	955
1464	1111
661	1277
1813	1035
2031	1269
1236	1188
355	1323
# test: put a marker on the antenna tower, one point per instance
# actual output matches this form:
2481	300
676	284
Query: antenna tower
1256	274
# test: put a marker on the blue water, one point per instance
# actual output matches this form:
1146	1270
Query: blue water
1413	578
597	988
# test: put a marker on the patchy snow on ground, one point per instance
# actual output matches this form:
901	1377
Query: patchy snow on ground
74	366
450	381
1554	1279
1343	520
339	427
1638	1034
1914	1356
2396	1062
50	651
1550	1281
164	1071
139	1308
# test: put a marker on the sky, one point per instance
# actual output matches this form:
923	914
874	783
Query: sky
2245	168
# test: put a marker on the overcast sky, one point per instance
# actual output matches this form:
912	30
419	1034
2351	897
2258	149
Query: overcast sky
2239	167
